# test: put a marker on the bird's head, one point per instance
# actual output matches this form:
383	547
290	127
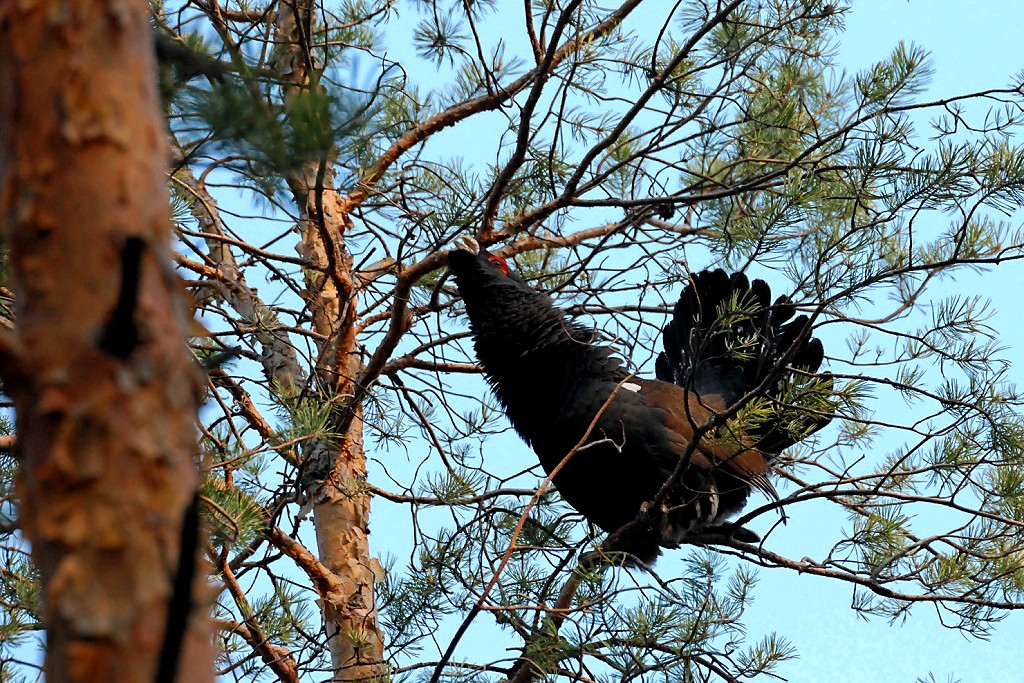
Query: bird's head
496	299
468	255
478	272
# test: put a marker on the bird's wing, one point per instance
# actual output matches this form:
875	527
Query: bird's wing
684	413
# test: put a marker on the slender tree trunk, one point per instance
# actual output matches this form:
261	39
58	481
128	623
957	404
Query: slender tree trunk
104	389
341	513
341	504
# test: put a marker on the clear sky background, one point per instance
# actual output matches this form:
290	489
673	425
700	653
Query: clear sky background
974	45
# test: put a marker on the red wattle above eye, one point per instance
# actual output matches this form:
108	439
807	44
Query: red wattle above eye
500	263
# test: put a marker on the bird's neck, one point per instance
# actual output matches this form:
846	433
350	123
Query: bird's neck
544	343
523	340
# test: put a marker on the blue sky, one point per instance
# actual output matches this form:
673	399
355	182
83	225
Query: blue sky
974	46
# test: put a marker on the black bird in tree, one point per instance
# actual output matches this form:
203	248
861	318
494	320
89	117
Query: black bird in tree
728	352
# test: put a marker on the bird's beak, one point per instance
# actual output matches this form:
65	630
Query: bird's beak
467	243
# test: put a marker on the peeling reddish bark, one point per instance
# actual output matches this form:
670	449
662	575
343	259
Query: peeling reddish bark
341	501
105	391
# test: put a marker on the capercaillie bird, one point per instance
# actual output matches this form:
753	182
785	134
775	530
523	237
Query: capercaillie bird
726	343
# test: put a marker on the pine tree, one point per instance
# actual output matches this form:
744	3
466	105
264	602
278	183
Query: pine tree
93	356
325	156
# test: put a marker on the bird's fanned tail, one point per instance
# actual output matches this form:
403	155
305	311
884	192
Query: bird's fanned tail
727	339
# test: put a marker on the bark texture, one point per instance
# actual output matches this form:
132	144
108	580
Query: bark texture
105	391
340	499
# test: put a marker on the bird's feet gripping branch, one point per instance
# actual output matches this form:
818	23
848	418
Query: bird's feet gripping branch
736	384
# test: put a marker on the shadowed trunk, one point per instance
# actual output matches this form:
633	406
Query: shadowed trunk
105	391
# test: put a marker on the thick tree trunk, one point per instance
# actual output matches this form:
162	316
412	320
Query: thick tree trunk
105	392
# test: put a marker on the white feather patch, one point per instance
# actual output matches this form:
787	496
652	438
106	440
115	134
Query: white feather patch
714	503
635	388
